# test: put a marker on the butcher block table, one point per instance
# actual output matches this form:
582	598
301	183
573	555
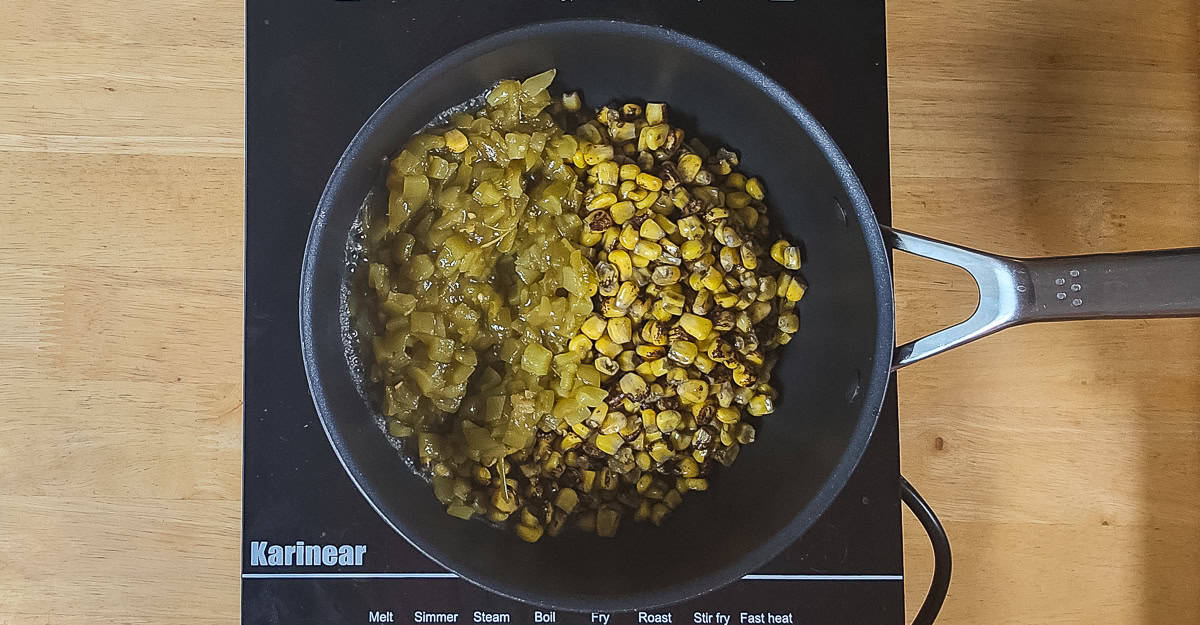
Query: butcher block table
1064	459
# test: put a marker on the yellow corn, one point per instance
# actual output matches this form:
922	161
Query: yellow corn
648	182
755	189
621	211
648	249
629	171
623	263
668	420
726	300
748	258
651	230
693	391
627	187
629	237
610	237
730	258
654	333
655	112
609	443
647	200
760	405
683	352
691	249
607	346
603	200
728	414
626	360
789	322
640	261
598	153
620	330
777	249
594	327
589	237
689	468
666	274
660	452
633	385
796	290
651	352
607	172
696	326
689	165
737	200
579	343
571	101
713	279
529	533
625	295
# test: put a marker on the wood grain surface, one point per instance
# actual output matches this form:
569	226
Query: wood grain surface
1063	458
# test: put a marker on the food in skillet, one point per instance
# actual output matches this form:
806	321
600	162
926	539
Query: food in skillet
571	314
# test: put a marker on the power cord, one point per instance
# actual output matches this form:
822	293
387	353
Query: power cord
941	553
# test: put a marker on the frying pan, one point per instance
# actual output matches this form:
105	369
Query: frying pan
832	376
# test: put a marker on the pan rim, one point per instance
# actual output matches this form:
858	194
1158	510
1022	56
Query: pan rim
874	382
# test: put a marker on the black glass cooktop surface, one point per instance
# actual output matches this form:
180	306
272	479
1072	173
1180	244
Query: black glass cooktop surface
315	71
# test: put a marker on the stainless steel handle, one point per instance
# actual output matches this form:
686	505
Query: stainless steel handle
1012	291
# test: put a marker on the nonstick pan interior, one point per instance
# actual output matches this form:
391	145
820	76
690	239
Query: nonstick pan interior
832	376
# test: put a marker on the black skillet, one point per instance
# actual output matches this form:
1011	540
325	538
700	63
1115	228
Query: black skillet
832	376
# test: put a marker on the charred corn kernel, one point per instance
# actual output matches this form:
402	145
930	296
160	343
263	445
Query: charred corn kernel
621	211
651	352
629	237
749	216
607	172
603	200
702	303
713	279
629	171
648	182
655	112
796	290
755	188
571	101
648	200
693	391
728	414
456	141
743	376
650	230
598	153
683	352
633	385
579	343
659	312
696	326
668	420
745	433
760	405
666	274
654	332
653	137
737	200
789	322
784	282
689	166
672	302
643	483
593	327
647	249
652	368
589	237
725	300
691	228
743	322
759	311
611	235
625	295
623	263
607	346
529	533
777	249
691	249
569	441
716	214
659	452
658	513
688	468
609	443
748	258
642	460
626	360
729	258
754	357
728	236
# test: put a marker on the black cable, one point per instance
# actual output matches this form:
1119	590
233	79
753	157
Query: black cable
941	553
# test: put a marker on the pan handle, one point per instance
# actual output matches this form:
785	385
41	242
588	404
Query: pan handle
1012	291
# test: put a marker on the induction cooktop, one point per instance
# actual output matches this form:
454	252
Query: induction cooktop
314	72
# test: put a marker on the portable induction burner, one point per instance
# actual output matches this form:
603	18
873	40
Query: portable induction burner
314	551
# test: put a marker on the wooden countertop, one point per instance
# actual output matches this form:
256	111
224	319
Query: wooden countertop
1064	459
